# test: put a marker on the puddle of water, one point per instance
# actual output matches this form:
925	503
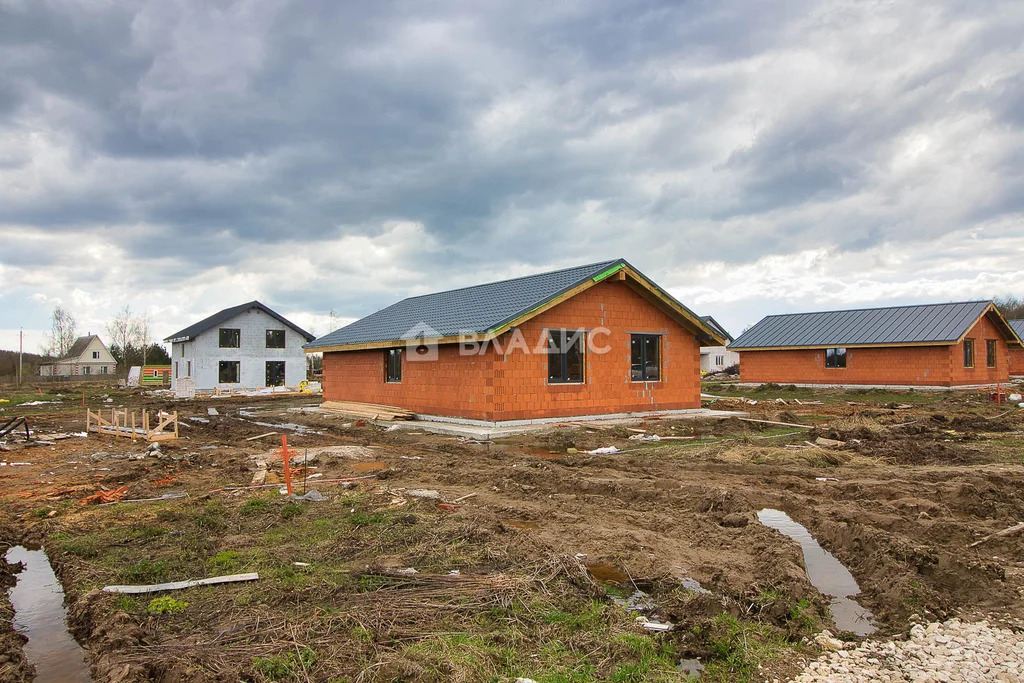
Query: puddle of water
542	453
606	573
521	523
39	614
368	466
825	573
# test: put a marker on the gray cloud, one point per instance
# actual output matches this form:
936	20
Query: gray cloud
207	141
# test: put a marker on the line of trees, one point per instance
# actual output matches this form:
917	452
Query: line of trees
1012	307
128	338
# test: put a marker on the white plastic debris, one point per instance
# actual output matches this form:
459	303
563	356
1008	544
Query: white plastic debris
1014	398
407	570
605	450
645	437
423	493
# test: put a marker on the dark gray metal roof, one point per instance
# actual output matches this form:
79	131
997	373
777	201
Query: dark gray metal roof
714	324
929	323
470	310
1018	327
193	331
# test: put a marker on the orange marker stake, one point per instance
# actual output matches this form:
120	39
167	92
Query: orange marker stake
287	465
83	399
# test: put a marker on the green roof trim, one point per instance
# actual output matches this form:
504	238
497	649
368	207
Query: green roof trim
611	271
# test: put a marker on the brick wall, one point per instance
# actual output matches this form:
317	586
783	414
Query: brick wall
924	365
506	382
452	385
522	378
982	331
1016	361
920	365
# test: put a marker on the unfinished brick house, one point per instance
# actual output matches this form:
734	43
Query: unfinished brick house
1017	354
948	345
591	340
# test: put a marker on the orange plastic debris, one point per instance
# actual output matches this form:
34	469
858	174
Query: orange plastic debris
447	506
105	496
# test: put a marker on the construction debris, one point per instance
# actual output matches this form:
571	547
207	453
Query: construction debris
1016	528
368	411
101	497
178	585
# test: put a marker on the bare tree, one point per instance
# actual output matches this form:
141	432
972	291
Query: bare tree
1012	307
119	329
141	335
129	337
62	333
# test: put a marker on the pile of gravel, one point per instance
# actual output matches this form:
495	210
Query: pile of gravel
950	651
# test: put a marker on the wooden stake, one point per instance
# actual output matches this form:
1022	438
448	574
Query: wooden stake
287	466
1016	528
771	422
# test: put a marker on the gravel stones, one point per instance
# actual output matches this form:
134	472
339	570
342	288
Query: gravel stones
949	651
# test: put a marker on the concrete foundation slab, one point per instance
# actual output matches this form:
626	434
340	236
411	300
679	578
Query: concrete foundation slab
482	430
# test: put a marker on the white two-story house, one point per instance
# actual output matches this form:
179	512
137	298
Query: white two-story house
247	346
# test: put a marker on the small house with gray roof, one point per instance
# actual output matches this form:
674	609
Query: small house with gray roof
88	356
248	346
947	345
590	340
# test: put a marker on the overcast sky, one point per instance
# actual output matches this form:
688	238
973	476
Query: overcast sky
752	158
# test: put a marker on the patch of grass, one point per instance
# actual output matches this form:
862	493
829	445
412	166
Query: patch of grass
738	647
293	665
291	510
211	517
145	572
86	547
166	605
225	562
254	505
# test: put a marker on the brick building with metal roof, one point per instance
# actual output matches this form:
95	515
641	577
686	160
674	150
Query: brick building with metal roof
948	345
591	340
1017	354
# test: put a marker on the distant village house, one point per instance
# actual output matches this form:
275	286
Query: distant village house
87	356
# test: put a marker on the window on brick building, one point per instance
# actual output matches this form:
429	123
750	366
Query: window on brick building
229	372
990	353
565	356
645	357
968	353
229	338
835	358
393	365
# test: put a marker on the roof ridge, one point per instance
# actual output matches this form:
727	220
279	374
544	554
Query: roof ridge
511	279
878	308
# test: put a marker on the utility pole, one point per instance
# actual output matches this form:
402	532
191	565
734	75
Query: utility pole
21	352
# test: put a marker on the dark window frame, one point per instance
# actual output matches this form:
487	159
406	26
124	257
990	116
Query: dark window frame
834	360
220	338
990	353
643	338
560	342
393	366
276	333
220	372
969	353
284	371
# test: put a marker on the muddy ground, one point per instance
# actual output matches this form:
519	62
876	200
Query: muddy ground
517	561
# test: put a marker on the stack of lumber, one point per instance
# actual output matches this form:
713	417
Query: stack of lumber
369	411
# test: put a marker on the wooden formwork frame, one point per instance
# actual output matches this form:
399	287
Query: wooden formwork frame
122	423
